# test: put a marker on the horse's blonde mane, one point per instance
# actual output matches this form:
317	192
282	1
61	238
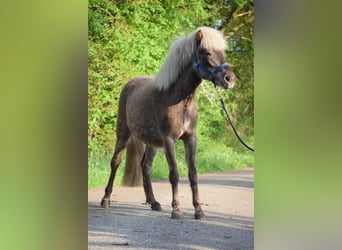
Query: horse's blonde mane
181	53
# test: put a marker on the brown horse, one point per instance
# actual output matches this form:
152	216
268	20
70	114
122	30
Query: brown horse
156	112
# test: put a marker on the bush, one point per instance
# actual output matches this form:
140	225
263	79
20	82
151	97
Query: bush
130	38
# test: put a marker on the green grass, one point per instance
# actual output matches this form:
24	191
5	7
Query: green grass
210	157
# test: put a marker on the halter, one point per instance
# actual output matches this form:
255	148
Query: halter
212	72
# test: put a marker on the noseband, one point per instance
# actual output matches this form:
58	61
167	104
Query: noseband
212	72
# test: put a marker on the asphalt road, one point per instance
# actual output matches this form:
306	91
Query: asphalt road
228	204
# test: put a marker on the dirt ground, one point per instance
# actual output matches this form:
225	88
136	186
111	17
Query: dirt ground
227	201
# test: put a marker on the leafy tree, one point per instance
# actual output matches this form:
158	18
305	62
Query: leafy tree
237	23
127	38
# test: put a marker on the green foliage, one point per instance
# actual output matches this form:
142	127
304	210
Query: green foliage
129	38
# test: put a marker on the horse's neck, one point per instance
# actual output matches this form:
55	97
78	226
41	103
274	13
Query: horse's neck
185	85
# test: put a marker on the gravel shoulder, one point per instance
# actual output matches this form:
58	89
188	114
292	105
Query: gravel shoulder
227	201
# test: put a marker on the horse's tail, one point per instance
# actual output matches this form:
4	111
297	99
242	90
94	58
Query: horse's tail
134	154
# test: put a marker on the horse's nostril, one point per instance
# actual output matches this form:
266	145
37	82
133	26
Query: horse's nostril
226	78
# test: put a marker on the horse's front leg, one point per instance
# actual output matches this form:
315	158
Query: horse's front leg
190	152
169	147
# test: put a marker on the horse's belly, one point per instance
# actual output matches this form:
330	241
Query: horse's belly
142	123
145	131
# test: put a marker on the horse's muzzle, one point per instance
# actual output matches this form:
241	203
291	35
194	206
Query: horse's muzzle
229	80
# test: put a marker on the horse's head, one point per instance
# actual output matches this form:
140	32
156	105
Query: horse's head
209	58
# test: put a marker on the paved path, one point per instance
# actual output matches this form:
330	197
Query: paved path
228	203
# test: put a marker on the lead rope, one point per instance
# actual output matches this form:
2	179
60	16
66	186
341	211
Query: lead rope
230	121
212	74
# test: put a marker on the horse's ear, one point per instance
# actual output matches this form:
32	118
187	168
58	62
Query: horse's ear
199	35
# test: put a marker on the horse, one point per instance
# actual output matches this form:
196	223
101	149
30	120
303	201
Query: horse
156	112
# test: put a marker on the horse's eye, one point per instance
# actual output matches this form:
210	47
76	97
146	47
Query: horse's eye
207	54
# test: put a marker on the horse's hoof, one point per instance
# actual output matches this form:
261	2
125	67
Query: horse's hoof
156	206
199	215
105	203
176	214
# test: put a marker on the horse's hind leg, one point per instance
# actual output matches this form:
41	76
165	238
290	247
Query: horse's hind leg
190	151
115	162
146	165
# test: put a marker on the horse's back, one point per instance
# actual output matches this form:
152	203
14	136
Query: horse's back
138	81
136	87
132	86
